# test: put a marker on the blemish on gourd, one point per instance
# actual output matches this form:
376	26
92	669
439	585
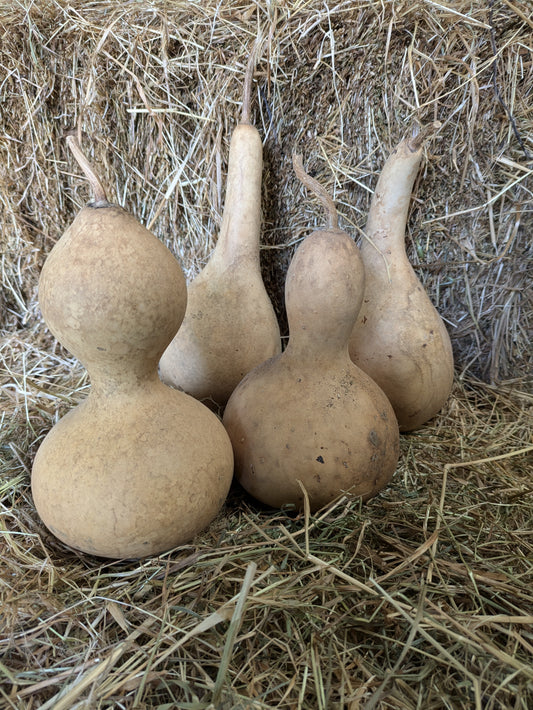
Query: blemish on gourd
320	459
373	438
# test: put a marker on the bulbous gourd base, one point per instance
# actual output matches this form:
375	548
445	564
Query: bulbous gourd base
125	477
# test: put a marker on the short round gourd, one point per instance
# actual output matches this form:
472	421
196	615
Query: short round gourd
399	338
230	325
309	419
138	467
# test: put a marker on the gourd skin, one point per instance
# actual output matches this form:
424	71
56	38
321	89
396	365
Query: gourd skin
137	467
310	414
230	325
108	302
127	475
399	338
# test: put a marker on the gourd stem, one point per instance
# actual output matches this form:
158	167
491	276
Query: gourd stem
100	198
247	90
420	135
318	189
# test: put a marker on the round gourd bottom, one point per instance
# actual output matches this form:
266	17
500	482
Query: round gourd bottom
135	482
333	433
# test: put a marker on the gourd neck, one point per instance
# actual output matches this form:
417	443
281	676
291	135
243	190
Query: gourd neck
240	231
320	355
389	208
123	378
238	239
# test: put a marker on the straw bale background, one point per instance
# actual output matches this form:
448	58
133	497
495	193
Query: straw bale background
419	599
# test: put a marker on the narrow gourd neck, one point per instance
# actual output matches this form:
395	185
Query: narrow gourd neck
389	208
323	294
240	231
318	349
324	285
113	379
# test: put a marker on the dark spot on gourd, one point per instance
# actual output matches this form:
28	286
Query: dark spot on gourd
99	347
390	357
320	459
424	345
317	477
373	438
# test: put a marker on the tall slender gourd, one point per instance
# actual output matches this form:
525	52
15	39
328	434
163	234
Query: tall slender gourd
399	338
309	419
230	325
137	467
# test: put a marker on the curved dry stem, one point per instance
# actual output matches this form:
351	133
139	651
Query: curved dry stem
318	189
420	135
247	90
100	198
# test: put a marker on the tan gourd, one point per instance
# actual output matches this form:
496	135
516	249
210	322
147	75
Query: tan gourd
138	467
310	417
399	338
230	325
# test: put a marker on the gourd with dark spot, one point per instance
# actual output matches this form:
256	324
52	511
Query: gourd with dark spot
309	417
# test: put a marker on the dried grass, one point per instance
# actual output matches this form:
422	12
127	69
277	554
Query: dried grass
421	598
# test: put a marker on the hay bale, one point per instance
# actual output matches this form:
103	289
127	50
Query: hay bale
156	90
421	598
